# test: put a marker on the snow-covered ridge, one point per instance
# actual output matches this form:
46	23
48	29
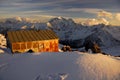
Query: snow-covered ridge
98	67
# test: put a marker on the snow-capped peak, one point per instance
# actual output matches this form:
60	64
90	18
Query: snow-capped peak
48	24
61	23
60	17
18	18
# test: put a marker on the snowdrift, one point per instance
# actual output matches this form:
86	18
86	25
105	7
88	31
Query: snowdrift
59	66
98	67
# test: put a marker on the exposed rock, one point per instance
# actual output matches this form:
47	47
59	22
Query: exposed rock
66	48
93	46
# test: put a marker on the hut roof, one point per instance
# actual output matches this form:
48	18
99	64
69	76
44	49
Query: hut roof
31	35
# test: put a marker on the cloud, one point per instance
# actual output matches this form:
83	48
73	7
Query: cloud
92	10
117	16
32	12
90	22
65	8
103	20
105	14
87	10
104	17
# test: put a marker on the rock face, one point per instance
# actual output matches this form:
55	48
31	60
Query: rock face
66	48
93	46
73	43
102	37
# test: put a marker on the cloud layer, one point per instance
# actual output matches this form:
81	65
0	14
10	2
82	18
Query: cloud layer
107	9
90	22
75	8
102	17
105	14
117	16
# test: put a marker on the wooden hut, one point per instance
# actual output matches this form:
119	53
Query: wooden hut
35	40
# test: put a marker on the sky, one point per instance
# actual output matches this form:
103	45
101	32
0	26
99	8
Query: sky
109	9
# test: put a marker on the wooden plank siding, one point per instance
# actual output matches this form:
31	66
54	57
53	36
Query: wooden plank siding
37	41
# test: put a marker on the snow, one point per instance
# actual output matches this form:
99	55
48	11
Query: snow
98	67
1	51
2	41
60	17
113	50
56	66
63	27
23	27
114	31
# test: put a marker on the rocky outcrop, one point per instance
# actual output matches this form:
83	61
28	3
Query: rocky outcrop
102	37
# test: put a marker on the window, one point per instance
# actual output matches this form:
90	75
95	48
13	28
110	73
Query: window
41	45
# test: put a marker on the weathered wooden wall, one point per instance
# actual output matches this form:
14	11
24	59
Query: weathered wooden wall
37	41
36	46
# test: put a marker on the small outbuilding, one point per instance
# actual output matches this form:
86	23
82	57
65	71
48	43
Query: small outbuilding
33	40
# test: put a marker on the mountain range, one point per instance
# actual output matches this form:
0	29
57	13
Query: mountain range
77	35
69	32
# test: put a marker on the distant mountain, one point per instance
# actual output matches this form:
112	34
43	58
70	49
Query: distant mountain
76	35
63	27
69	32
61	23
18	19
18	23
103	36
